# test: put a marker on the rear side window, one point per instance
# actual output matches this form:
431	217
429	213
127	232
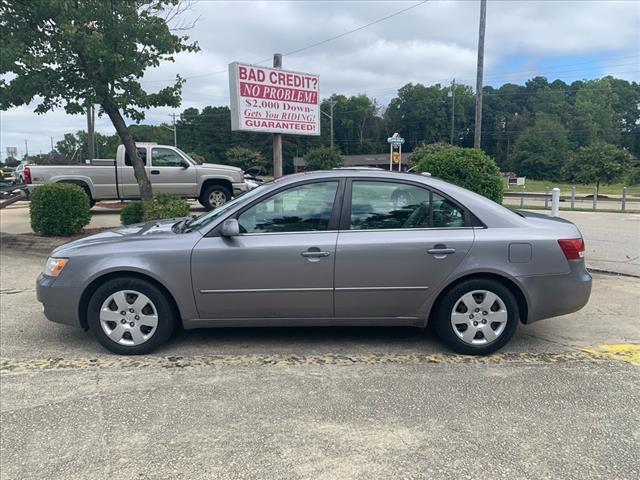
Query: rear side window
142	153
389	205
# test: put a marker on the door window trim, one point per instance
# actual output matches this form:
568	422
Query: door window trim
470	220
334	219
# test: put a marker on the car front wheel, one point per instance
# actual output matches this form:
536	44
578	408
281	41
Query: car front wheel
477	316
130	316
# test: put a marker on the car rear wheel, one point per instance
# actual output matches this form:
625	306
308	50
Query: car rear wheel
477	317
130	316
214	196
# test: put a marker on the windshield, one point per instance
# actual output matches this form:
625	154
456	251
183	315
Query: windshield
207	218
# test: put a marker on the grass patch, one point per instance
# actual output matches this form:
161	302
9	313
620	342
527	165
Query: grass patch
539	186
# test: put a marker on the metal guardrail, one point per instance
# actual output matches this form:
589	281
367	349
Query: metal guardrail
573	198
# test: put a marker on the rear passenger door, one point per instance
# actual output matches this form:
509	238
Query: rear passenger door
397	243
127	183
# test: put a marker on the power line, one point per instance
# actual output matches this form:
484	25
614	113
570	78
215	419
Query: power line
313	45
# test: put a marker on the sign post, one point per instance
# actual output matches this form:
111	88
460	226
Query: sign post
272	100
395	151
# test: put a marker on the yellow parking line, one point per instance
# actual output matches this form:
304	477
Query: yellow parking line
624	352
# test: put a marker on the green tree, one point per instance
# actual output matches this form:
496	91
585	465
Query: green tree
322	158
74	147
541	150
594	117
246	158
11	162
467	167
75	54
599	162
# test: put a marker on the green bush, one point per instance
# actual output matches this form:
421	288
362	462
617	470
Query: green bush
132	212
163	205
59	209
323	158
467	167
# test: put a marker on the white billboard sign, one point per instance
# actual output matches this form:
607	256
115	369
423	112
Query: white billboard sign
273	101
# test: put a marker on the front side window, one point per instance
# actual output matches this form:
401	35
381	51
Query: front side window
164	157
388	205
299	209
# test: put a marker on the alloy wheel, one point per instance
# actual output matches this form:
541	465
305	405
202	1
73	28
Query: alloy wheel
217	198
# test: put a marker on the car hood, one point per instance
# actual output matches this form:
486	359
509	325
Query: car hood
155	230
225	168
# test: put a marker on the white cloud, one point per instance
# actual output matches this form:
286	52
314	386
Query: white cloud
433	42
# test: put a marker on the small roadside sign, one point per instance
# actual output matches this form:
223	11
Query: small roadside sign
395	142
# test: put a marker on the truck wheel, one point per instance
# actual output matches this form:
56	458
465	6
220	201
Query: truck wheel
214	196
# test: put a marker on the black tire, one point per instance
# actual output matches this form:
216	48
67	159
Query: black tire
445	330
165	313
213	188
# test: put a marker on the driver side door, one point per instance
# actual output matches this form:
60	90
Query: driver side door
280	266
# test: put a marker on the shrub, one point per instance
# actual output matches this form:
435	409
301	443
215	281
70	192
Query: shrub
132	212
163	205
59	209
467	167
323	158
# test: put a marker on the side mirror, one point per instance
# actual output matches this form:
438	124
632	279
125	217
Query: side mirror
185	164
230	228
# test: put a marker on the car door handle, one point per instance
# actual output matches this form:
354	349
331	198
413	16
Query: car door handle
155	172
441	251
315	254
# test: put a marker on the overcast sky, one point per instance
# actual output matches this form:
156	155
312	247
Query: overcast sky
431	43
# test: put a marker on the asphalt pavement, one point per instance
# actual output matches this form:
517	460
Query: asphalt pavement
560	401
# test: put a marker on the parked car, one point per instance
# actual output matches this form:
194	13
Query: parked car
169	169
18	176
324	248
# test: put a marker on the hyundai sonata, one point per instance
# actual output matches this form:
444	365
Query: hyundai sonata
343	247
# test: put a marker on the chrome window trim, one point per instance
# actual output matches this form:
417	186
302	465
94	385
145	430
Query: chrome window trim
269	290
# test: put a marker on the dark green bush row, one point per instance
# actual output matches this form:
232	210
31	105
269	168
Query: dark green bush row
59	209
162	206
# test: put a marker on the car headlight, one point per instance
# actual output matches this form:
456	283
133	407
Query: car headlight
54	266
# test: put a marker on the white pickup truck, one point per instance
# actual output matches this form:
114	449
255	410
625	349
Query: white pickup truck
169	169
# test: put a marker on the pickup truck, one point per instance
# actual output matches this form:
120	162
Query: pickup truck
169	169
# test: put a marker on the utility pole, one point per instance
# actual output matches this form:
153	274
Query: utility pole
332	104
452	94
91	140
26	149
277	137
483	21
51	143
175	132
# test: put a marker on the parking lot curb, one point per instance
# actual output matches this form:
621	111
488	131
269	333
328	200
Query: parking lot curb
29	244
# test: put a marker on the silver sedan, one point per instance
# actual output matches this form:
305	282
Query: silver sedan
343	247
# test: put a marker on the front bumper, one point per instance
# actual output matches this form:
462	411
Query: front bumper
554	295
60	304
239	188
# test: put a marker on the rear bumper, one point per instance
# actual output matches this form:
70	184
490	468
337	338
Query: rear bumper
554	295
59	304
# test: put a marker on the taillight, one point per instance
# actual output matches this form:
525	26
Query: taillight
573	248
26	175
